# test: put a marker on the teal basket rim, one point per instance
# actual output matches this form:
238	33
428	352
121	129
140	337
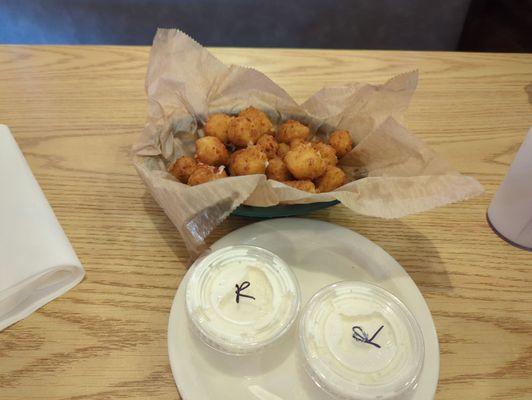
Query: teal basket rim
282	210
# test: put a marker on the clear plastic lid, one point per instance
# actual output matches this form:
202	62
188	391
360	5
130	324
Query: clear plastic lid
241	298
360	342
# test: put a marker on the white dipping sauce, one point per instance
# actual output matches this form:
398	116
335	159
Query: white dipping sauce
251	323
338	315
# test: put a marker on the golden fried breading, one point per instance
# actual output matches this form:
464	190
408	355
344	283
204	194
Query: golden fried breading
333	178
211	151
277	170
296	142
217	126
269	145
304	185
291	130
249	161
283	149
206	173
327	152
259	118
342	142
242	131
183	168
304	162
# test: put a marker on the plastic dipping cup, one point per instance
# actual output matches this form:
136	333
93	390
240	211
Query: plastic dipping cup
334	331
268	299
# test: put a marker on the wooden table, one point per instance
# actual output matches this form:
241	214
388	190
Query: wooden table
75	112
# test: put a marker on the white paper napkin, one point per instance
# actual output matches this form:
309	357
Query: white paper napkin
37	262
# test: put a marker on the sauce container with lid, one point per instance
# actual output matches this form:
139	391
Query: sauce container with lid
360	342
240	299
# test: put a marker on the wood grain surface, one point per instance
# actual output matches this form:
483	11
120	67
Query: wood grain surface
75	112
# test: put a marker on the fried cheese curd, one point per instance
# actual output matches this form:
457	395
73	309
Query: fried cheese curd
277	170
305	185
304	162
217	125
283	149
242	132
211	151
342	142
206	173
296	142
260	119
327	152
332	179
269	145
183	168
249	161
291	130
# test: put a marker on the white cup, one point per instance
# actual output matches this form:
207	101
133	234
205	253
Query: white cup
510	212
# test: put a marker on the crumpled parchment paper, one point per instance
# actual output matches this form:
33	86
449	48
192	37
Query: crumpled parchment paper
392	172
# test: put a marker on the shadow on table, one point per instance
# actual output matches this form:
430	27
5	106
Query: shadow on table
170	233
413	250
167	231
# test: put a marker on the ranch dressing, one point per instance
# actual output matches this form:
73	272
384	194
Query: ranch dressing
361	342
241	298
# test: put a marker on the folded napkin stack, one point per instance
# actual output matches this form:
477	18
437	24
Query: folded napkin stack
37	262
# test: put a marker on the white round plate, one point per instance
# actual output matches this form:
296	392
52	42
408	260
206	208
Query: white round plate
320	253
